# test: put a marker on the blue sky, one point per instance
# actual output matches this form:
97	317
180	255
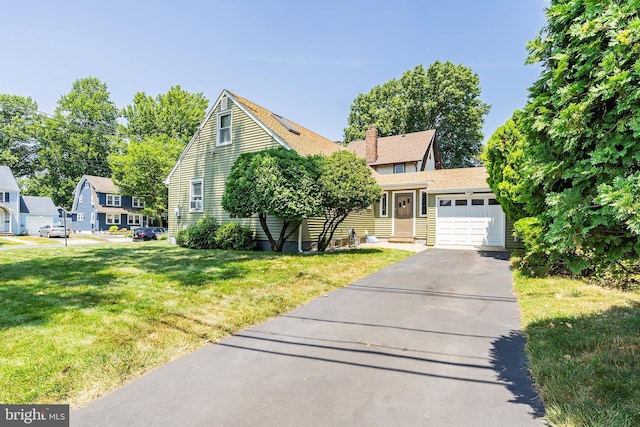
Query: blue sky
305	60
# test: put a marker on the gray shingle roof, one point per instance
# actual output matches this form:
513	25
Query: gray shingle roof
409	147
38	206
8	182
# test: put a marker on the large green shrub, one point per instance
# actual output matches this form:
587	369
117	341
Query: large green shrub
234	236
201	235
207	234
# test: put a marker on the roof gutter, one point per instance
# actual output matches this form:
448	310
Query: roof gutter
459	190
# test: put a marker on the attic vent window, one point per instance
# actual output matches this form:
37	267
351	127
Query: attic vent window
224	103
285	123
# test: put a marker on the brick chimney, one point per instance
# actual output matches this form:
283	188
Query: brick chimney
371	144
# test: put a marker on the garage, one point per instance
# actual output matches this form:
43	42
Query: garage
35	222
469	220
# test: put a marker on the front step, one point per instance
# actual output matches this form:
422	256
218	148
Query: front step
402	239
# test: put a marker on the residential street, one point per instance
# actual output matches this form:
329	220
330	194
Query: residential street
433	340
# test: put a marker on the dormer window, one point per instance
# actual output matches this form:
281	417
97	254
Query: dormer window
224	128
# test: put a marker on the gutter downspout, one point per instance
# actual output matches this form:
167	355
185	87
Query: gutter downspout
300	238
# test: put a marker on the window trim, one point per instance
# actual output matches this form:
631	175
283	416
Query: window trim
191	196
113	221
134	216
137	203
115	197
80	217
384	205
424	206
81	199
93	218
220	128
404	167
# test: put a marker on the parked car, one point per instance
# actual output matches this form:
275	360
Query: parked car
149	233
54	231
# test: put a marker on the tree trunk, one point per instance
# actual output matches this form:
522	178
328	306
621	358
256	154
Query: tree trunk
331	223
265	228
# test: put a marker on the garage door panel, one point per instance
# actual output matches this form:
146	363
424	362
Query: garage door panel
33	224
473	221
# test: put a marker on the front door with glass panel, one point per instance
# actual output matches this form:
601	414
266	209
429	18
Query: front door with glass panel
403	215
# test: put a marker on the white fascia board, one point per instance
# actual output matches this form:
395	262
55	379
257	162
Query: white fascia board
460	190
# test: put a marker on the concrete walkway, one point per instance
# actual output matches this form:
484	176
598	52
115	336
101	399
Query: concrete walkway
432	340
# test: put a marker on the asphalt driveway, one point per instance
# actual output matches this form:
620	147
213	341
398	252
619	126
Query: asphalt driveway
433	340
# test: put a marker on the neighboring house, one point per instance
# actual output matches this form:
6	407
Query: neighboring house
420	201
36	212
19	213
98	205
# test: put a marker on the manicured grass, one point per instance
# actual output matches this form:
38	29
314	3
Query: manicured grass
584	350
40	240
76	322
6	242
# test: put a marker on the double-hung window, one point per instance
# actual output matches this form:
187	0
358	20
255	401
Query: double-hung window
113	218
80	198
195	196
80	217
113	200
224	128
134	219
137	203
4	197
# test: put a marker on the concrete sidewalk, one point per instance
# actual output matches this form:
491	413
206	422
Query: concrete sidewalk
433	340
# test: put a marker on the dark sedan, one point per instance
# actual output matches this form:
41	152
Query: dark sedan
150	233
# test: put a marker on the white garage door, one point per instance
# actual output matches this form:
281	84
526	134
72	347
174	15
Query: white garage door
476	221
35	222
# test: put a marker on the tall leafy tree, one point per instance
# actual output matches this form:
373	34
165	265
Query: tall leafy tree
77	140
445	97
175	114
142	170
20	125
346	186
582	126
273	182
503	157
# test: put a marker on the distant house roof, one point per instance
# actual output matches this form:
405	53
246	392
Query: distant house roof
8	182
409	147
298	138
38	206
102	184
438	181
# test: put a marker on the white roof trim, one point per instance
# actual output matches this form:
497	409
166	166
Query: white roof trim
459	190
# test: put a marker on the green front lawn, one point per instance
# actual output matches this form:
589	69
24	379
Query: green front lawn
584	350
76	322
